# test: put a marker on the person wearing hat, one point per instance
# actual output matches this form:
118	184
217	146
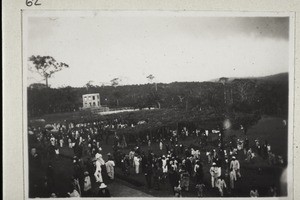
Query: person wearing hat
52	149
99	162
157	175
254	192
189	165
184	179
232	178
136	161
61	143
160	145
103	191
221	185
131	156
78	173
34	158
164	165
173	178
177	190
110	164
235	165
148	174
198	171
53	195
87	187
200	189
73	192
214	172
126	165
209	157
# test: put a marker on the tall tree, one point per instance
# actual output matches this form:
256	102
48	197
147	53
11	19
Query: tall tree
89	85
244	89
46	66
154	96
151	78
115	82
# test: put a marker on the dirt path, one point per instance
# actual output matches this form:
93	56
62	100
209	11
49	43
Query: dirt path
120	189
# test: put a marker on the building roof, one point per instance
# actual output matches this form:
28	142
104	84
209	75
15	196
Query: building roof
90	94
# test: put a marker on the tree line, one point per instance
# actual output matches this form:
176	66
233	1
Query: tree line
238	95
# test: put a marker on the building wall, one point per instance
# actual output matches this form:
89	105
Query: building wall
91	101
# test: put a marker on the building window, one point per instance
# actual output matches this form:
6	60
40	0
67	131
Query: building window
93	97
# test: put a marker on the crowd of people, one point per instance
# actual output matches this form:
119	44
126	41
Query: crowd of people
73	149
184	168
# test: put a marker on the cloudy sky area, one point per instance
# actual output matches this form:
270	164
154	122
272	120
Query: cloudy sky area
172	47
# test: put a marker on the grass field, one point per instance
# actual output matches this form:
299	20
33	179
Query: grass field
270	129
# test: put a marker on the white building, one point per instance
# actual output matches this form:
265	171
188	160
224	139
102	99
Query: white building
91	100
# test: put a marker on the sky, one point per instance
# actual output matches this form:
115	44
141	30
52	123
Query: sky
100	46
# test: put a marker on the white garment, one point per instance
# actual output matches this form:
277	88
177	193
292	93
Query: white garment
196	167
214	171
74	194
240	146
233	178
235	164
220	184
174	166
136	162
110	168
97	173
87	183
219	172
131	155
206	132
160	145
193	152
164	166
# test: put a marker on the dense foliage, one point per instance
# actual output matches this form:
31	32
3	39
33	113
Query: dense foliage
260	95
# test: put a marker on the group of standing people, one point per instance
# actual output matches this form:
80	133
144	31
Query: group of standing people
66	160
182	167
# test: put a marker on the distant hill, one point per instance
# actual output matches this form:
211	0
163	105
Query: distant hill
278	78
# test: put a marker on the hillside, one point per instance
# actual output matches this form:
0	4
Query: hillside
279	78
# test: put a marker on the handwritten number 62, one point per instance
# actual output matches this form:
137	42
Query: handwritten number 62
32	2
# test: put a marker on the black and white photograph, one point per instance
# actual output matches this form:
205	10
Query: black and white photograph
157	104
